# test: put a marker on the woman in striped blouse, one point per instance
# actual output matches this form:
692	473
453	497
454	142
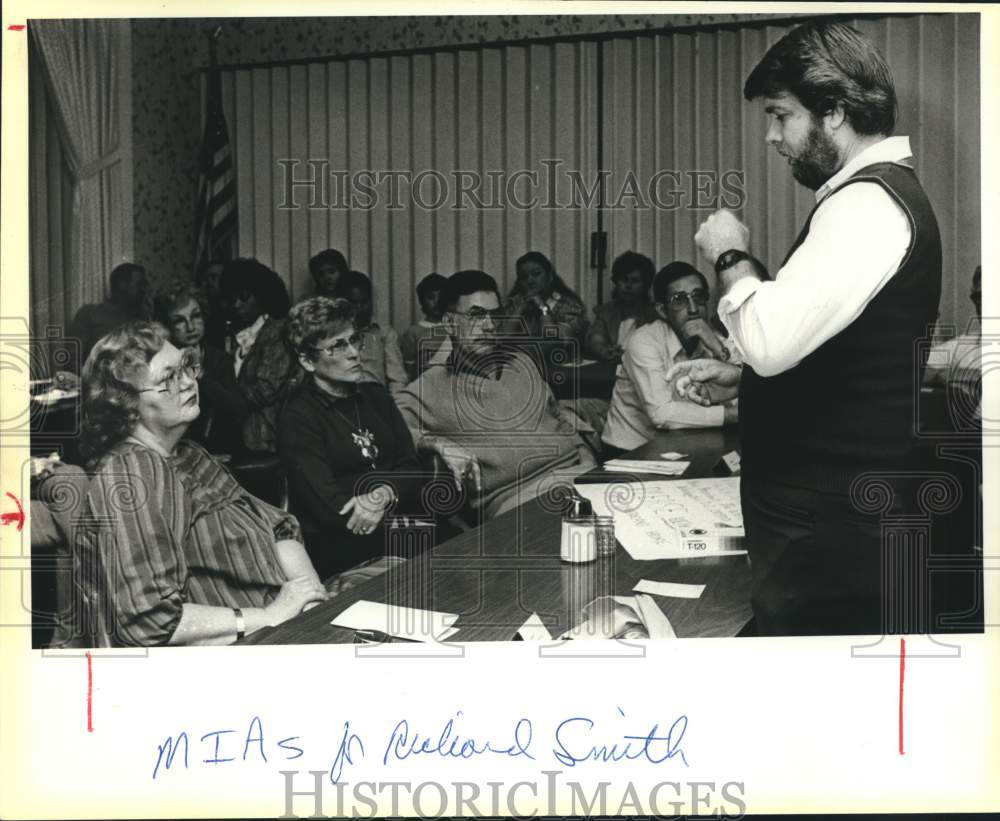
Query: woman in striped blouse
186	555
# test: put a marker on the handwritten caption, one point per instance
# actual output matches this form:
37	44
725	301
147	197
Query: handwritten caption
573	740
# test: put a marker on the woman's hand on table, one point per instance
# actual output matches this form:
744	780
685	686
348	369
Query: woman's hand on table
367	509
293	598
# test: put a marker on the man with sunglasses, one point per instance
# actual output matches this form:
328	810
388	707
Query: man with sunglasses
643	401
486	410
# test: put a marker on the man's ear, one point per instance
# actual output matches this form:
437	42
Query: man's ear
661	310
448	320
835	117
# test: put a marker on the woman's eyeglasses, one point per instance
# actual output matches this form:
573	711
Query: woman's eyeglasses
189	366
340	346
699	296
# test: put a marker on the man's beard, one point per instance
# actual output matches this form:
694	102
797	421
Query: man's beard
818	161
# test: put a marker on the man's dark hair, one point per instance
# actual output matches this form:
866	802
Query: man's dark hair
429	284
825	64
630	261
247	274
121	275
671	273
351	280
330	256
464	283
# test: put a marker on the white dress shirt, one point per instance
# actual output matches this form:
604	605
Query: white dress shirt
856	242
643	401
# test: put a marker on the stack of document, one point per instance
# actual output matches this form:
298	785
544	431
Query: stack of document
401	622
671	468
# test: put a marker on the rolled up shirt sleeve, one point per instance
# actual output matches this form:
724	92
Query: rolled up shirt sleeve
645	367
858	238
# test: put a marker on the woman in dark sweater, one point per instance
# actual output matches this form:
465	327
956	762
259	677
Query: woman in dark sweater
346	450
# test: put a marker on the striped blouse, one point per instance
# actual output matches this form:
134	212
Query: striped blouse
162	531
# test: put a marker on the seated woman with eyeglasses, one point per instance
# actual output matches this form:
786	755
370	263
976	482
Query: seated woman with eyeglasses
182	310
643	400
184	553
343	443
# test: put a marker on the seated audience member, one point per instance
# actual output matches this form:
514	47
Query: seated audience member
381	359
265	363
630	305
346	450
182	311
423	339
958	362
327	267
488	413
643	400
217	322
541	300
128	301
189	556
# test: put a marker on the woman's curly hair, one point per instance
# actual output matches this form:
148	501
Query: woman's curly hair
317	318
112	376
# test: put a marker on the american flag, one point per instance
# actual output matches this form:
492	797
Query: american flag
216	226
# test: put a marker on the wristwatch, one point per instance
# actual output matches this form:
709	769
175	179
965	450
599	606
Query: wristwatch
727	259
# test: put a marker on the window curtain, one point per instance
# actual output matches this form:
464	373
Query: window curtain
79	196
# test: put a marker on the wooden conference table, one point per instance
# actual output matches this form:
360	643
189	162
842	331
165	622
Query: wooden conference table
496	575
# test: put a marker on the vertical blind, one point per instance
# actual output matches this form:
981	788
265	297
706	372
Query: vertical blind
671	103
482	120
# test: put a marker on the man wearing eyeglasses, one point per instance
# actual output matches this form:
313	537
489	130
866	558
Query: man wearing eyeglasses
486	410
643	401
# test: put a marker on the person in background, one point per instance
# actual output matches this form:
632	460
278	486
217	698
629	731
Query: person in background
643	400
381	358
630	306
346	450
958	362
487	412
265	363
182	311
541	300
423	339
128	300
217	323
186	556
327	267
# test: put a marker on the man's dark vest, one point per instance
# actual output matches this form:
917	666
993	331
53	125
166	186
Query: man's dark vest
849	406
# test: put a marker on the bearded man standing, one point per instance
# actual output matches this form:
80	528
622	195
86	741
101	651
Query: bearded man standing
830	381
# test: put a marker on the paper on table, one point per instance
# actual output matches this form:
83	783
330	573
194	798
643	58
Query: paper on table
672	454
402	622
647	466
534	630
657	519
675	590
581	363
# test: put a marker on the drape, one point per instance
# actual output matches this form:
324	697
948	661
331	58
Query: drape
77	234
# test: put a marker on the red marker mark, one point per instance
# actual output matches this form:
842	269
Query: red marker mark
15	28
90	694
11	518
902	673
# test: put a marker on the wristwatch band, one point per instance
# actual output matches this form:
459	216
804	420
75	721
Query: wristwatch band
241	625
727	259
